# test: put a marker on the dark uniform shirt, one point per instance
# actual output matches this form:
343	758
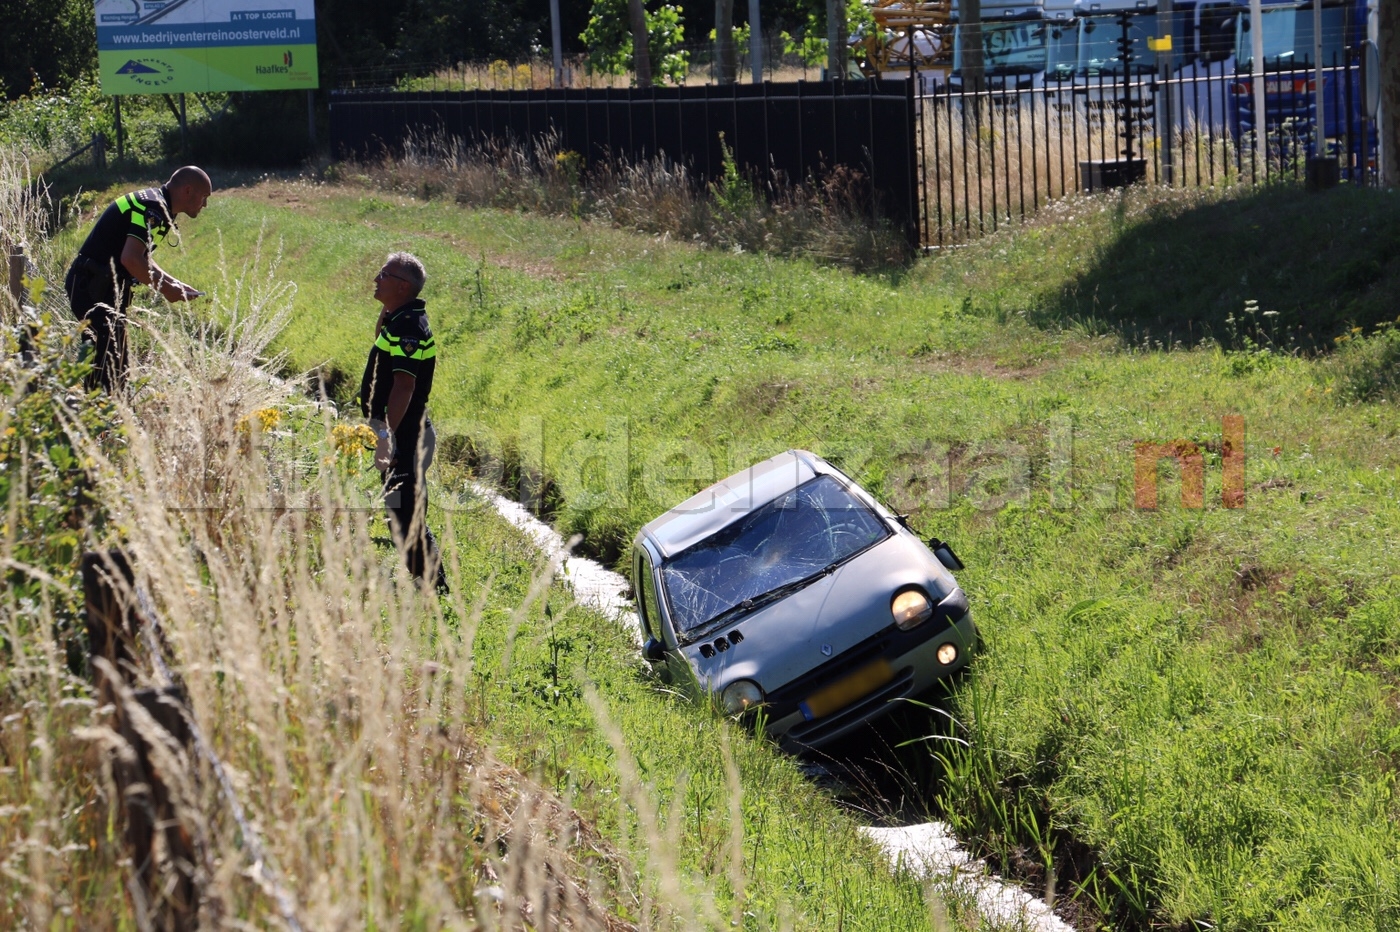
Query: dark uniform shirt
142	214
405	344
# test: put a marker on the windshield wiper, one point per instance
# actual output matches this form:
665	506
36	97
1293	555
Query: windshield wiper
758	601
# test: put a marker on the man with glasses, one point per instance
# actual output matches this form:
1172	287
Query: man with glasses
116	256
394	397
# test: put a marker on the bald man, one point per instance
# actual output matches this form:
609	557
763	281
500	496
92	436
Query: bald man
117	256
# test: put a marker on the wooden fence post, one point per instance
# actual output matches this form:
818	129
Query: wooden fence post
154	724
112	622
15	266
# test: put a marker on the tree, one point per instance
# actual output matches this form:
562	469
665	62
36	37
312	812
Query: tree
1389	47
611	41
970	36
726	56
641	54
442	32
836	38
47	42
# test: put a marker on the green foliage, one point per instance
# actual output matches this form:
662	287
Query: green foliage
263	130
1367	368
48	43
56	121
733	193
47	124
45	487
445	31
609	40
739	35
859	19
808	46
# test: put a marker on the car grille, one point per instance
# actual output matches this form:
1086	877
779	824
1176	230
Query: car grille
815	732
785	699
890	644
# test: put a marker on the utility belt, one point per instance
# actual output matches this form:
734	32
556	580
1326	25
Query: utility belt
87	266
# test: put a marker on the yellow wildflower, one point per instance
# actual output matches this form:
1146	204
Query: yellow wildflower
351	441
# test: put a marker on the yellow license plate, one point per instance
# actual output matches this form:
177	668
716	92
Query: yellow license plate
843	692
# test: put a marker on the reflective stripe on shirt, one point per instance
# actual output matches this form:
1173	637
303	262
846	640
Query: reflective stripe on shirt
393	345
133	209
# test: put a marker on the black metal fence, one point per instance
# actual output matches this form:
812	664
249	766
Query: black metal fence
991	158
942	164
792	132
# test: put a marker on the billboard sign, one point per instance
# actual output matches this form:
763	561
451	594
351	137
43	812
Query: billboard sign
195	46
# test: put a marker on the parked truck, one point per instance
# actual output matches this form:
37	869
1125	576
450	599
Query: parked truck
1014	44
1289	75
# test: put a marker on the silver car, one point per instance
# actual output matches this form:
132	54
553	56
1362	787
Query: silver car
788	588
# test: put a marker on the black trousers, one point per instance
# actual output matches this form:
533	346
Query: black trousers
406	498
101	298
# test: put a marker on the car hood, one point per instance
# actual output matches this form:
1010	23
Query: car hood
782	641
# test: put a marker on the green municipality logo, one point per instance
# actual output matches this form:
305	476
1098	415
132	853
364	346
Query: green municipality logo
149	72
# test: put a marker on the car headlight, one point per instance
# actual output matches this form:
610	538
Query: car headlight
741	696
947	654
911	608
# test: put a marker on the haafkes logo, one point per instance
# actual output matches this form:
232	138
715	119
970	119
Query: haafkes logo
148	72
283	68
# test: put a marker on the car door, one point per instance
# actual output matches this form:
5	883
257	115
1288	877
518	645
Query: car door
656	626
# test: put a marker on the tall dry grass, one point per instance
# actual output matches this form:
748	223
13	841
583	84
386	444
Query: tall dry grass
27	215
346	785
827	219
536	74
992	160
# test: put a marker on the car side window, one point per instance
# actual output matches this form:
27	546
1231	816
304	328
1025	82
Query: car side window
646	597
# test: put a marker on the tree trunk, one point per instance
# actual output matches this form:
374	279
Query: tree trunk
755	42
1389	129
726	56
641	53
836	40
970	35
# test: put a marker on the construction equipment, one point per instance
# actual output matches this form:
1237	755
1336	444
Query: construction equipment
909	36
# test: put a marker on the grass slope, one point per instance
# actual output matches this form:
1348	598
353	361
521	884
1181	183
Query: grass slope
1183	718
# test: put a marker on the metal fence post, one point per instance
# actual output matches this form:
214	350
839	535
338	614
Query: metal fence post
1165	58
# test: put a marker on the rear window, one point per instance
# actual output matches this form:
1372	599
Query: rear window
818	525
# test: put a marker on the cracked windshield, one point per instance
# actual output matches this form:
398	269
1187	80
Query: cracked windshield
785	541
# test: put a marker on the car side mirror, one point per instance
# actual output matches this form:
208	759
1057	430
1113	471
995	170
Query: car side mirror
944	553
654	650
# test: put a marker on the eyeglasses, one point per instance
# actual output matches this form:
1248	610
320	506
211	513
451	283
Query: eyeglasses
384	274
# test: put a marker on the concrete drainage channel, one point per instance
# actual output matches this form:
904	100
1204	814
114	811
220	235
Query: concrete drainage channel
928	848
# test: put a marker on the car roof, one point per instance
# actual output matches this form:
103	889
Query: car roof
730	499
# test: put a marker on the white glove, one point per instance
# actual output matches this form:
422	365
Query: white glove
383	446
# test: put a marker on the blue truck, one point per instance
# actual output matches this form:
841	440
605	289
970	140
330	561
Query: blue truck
1289	75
